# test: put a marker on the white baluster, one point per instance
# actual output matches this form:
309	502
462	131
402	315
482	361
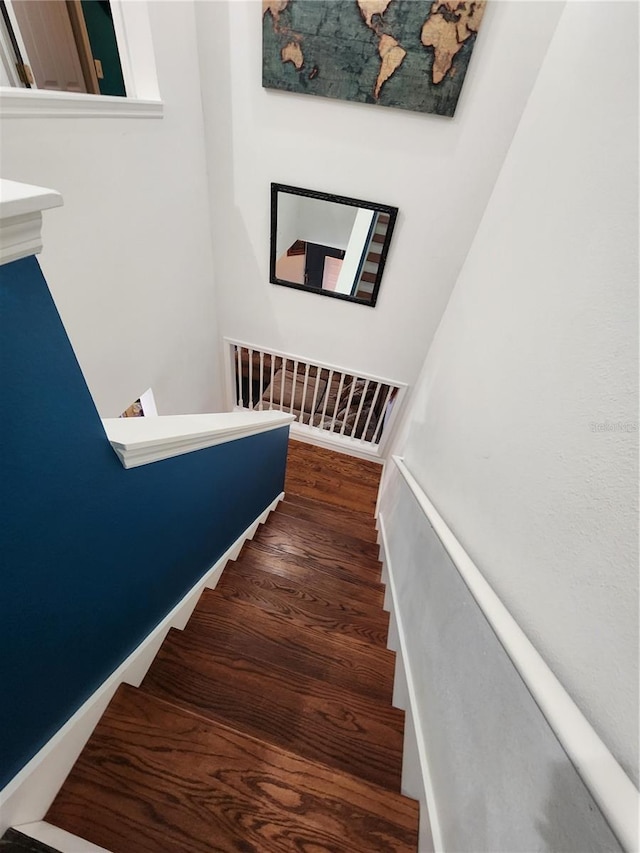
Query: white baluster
293	385
304	392
239	375
284	367
359	412
354	379
376	435
273	371
260	404
337	404
372	407
315	396
326	398
250	379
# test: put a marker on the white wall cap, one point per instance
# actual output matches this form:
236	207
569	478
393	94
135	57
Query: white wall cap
16	199
138	441
21	207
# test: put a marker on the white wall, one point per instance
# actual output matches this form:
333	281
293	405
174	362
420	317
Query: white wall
128	258
357	244
437	171
288	220
326	223
537	349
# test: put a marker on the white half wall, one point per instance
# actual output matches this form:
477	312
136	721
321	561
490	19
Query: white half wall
492	776
524	428
128	258
439	172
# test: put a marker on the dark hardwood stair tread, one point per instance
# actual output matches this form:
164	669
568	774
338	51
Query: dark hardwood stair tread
342	547
247	631
343	587
154	778
295	549
347	731
254	586
331	519
325	567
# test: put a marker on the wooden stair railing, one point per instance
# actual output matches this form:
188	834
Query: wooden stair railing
266	725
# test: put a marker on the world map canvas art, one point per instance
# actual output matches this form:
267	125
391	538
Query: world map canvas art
409	54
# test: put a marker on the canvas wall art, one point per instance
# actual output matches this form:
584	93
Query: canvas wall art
409	54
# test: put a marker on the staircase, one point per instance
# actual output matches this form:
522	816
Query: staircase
266	725
369	272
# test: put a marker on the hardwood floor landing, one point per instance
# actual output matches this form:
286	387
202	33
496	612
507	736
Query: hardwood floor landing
266	725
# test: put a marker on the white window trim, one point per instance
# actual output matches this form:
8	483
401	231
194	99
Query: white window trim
135	45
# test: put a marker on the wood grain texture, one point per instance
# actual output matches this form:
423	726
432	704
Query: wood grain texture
278	642
266	725
342	587
355	524
299	603
300	537
169	782
312	718
333	478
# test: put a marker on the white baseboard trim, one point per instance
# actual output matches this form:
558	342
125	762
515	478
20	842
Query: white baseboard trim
605	779
59	839
416	777
323	438
27	797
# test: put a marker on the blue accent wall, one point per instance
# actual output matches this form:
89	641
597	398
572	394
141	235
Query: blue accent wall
92	556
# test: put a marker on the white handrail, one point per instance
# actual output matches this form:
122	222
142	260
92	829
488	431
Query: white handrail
611	788
139	441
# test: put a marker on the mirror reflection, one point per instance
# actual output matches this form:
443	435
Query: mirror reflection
328	244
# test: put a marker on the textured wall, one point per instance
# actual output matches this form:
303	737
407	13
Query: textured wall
524	431
502	782
93	556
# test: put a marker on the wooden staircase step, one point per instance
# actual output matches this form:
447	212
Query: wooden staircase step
369	277
343	588
378	238
332	478
157	779
356	524
246	631
307	540
347	731
358	550
298	602
313	558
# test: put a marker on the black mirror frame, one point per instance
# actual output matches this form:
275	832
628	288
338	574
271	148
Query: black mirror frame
392	212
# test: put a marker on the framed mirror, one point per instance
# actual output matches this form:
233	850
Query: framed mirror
329	244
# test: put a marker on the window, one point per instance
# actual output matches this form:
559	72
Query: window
74	57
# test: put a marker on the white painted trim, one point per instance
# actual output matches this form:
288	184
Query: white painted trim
43	103
21	207
398	642
139	441
27	797
137	58
59	839
333	441
148	403
611	788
